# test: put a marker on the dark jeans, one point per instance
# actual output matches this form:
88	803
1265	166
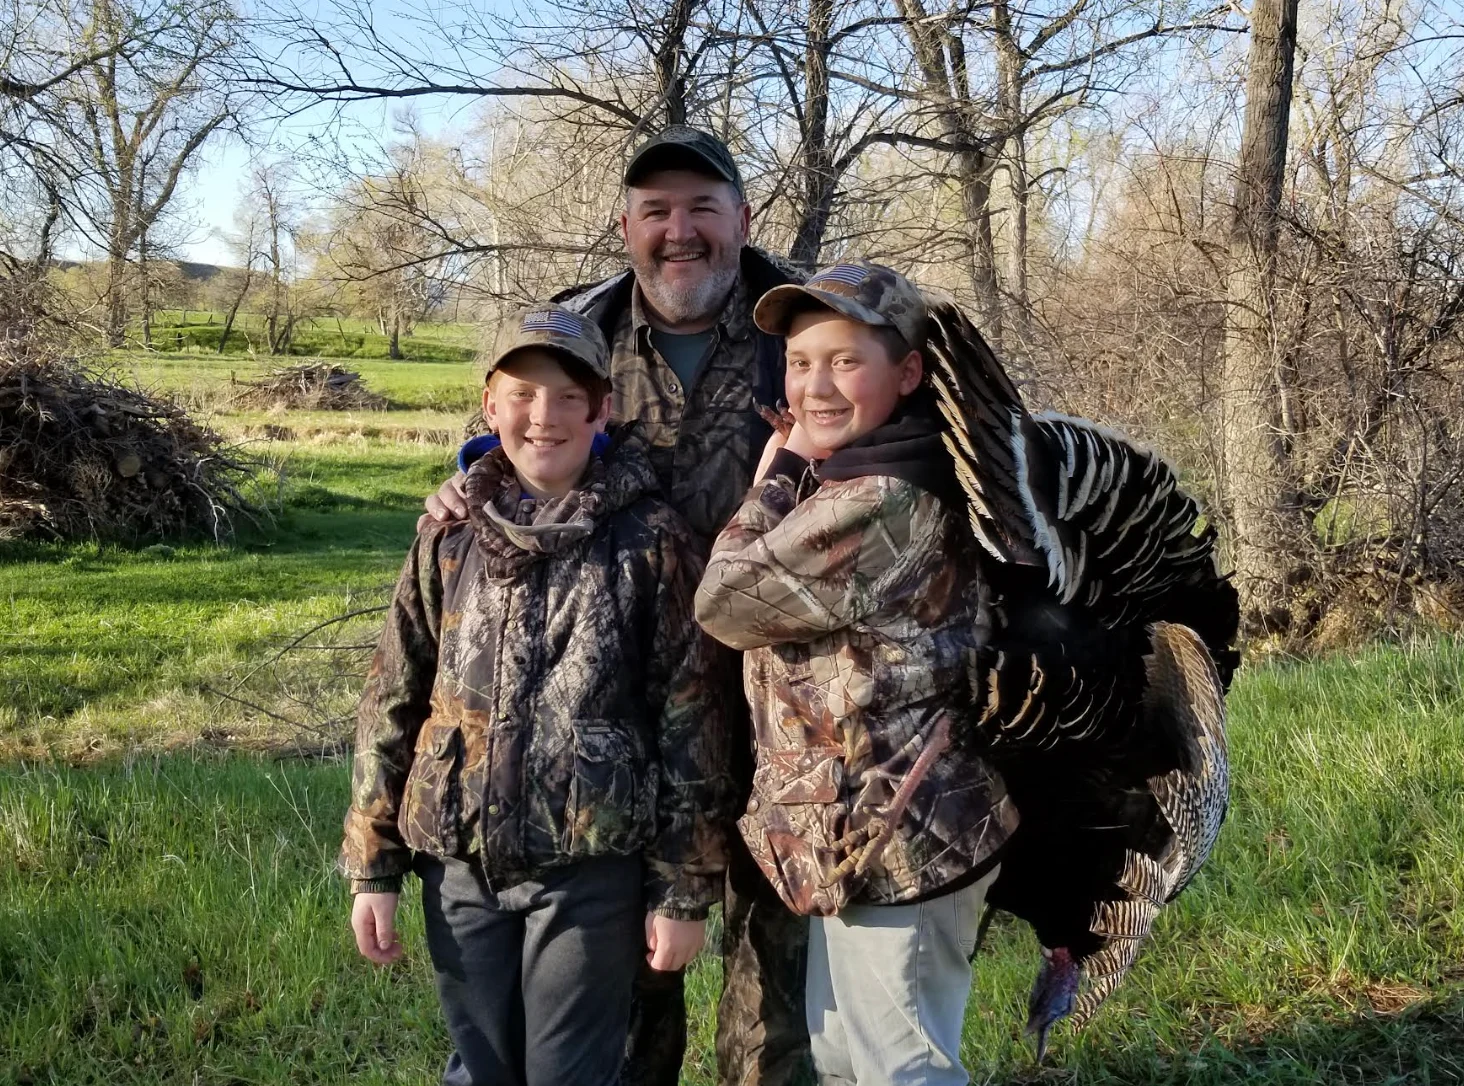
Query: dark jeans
535	979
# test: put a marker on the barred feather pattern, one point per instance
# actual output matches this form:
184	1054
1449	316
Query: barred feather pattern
1185	699
1106	517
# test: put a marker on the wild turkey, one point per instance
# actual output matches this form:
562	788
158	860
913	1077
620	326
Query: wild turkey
1101	696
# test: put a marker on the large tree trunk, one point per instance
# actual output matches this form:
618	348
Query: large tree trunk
1266	518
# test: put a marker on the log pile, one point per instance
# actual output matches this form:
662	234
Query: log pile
84	457
309	387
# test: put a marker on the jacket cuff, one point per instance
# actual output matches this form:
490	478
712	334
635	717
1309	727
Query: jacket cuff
384	884
787	463
685	897
674	913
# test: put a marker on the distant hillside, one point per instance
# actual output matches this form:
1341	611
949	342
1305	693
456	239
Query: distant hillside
190	270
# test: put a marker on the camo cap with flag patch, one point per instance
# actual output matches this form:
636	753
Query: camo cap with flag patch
553	328
863	291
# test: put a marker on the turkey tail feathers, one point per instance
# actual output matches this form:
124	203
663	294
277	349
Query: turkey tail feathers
1106	518
1186	700
1184	706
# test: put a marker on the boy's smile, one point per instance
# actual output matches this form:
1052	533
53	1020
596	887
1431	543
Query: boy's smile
545	420
841	381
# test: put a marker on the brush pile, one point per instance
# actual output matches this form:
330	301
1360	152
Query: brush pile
310	387
84	457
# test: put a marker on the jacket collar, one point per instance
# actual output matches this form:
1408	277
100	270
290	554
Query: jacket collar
514	529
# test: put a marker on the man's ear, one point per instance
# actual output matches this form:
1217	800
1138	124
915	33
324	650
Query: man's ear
912	368
490	409
625	228
745	217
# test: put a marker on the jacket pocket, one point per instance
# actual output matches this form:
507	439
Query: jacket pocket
432	805
795	818
612	794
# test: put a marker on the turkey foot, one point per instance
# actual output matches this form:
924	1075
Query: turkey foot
867	843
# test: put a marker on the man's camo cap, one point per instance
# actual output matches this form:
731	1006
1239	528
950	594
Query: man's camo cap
553	328
682	148
865	292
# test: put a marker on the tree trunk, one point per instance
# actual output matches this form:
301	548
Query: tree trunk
1009	64
1266	519
145	291
976	175
394	344
116	330
819	174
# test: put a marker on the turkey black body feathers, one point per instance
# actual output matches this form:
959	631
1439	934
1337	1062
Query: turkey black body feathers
1100	697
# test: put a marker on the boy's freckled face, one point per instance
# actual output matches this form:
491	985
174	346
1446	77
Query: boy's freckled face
545	421
841	381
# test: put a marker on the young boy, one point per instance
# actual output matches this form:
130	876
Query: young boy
538	740
846	575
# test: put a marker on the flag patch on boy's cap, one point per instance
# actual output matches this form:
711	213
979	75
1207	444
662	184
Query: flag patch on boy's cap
851	275
553	320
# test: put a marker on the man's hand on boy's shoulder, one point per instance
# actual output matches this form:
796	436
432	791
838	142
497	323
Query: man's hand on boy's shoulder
373	920
450	503
673	943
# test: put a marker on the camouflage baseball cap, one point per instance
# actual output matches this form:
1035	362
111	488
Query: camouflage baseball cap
684	148
553	328
866	292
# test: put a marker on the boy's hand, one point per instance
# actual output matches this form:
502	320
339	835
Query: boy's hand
448	504
770	450
673	943
799	442
373	919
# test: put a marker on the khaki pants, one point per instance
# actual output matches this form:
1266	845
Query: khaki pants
887	990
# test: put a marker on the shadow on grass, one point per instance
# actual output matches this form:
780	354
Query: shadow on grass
1423	1044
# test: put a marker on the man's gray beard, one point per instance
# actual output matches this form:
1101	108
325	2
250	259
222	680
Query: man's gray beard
694	302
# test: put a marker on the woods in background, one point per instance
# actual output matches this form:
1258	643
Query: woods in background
1238	234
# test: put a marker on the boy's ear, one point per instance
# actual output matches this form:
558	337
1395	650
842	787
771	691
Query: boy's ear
602	417
490	409
912	368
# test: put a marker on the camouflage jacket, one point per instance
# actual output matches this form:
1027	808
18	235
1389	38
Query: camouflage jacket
542	694
860	619
705	440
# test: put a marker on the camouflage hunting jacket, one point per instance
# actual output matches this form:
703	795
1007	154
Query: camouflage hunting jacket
541	693
860	620
705	440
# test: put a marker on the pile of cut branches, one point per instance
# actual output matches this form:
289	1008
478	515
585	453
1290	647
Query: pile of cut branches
310	387
84	457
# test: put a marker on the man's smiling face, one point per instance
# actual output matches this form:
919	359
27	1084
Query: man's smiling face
684	232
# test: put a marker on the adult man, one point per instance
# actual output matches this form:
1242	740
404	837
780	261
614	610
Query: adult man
689	364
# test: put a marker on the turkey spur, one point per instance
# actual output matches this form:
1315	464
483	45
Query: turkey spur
1100	697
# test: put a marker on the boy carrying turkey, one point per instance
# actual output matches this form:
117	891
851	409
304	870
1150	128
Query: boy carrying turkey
848	579
539	740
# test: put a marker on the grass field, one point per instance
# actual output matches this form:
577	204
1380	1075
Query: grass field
197	332
168	913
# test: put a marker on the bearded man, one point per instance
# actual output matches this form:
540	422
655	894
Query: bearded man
688	363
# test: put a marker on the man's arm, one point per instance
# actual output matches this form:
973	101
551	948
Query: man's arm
396	701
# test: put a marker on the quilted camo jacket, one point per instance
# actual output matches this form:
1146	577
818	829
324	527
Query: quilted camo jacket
542	694
860	621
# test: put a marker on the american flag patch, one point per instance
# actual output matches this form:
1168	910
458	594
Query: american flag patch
851	275
552	320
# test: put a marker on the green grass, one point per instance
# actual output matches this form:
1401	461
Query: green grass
205	382
168	913
112	647
174	919
197	332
